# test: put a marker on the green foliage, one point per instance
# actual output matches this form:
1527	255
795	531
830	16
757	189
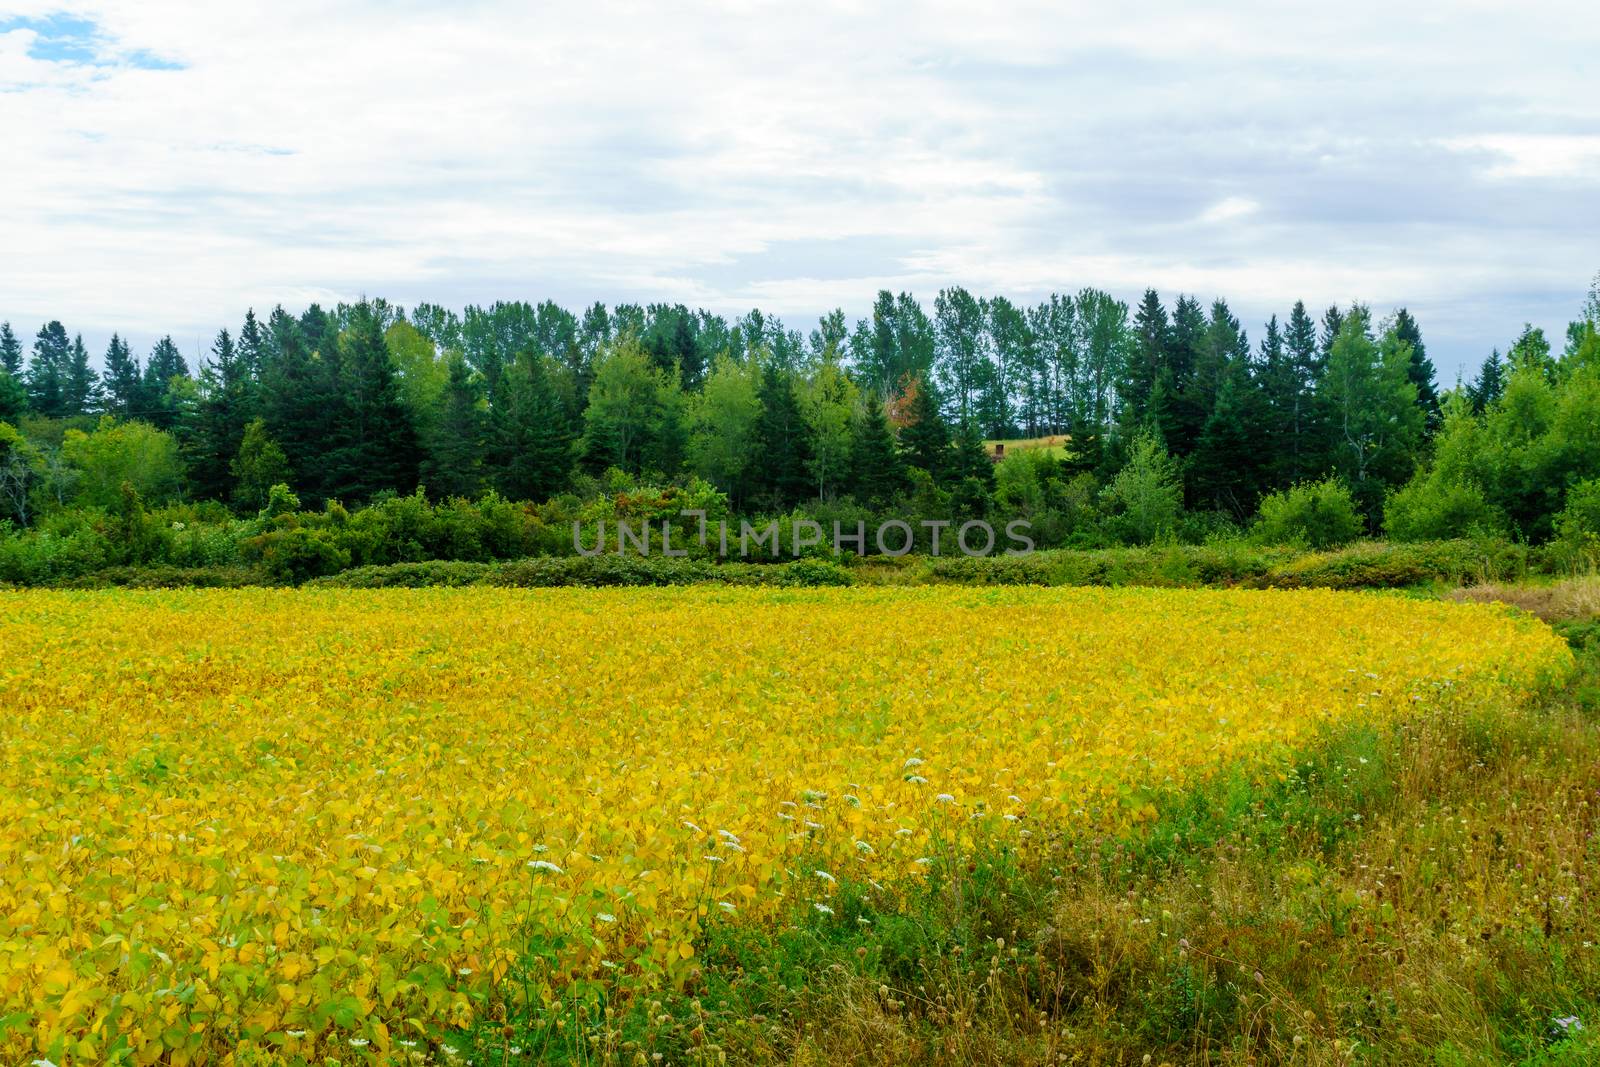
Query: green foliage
259	468
1146	496
1375	565
289	552
117	454
726	419
1316	514
634	420
828	405
13	397
1376	423
1578	524
1429	509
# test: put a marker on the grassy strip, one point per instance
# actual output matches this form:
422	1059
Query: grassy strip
1422	895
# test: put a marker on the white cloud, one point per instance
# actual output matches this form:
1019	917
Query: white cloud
1534	155
715	153
1229	209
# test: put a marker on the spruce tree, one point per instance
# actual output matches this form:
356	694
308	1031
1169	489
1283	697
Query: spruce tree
252	347
13	399
123	382
452	460
1300	453
1422	370
214	430
1182	412
925	439
1332	324
1489	385
780	475
533	438
10	351
47	370
80	384
970	459
164	376
299	393
877	475
374	445
1152	340
1225	469
1279	396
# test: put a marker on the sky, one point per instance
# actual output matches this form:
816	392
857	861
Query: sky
167	165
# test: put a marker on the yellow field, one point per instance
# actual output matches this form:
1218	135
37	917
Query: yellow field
331	822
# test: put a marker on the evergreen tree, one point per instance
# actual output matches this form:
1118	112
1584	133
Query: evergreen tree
877	475
47	370
1276	382
925	439
123	382
1183	407
670	340
1225	469
252	347
319	332
1332	324
1299	456
213	431
970	462
1422	373
374	445
80	385
533	441
453	453
780	476
1489	385
10	351
13	398
1147	358
165	377
299	393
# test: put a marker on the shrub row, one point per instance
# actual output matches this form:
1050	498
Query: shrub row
558	571
1368	565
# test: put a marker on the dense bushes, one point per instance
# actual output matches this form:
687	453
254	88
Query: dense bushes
1377	565
1315	514
1372	565
1430	509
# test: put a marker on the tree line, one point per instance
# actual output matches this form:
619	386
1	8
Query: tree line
530	401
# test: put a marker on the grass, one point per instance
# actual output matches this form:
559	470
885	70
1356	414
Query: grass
1568	600
1422	896
1055	444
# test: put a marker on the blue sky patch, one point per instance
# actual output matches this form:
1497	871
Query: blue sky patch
75	40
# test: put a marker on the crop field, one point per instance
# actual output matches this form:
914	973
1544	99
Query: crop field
348	823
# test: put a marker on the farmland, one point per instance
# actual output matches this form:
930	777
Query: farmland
355	823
